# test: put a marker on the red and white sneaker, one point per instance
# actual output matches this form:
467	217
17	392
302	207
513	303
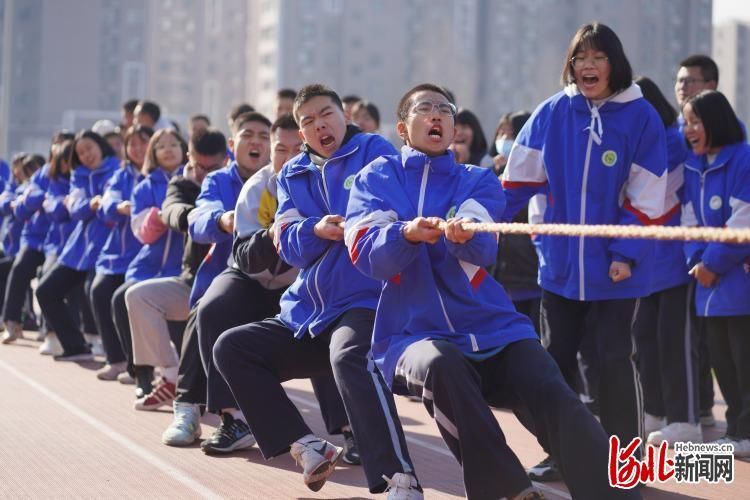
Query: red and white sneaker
162	394
318	459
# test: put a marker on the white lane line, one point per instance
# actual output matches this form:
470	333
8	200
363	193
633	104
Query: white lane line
437	449
171	471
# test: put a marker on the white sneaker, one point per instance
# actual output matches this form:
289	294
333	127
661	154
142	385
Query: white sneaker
13	332
95	341
723	440
318	459
112	371
677	432
741	448
403	486
51	345
185	427
126	378
652	423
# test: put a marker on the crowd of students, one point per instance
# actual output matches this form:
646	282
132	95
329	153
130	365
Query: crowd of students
310	247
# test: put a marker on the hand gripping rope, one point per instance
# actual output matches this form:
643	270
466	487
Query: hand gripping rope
673	233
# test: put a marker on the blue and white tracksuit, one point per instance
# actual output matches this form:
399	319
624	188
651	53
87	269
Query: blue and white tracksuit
396	189
599	163
30	210
219	194
718	195
61	225
12	226
91	231
121	246
328	283
325	321
162	258
445	330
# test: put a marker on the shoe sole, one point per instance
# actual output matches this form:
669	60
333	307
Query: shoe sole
351	461
81	357
545	477
180	442
241	444
152	407
319	476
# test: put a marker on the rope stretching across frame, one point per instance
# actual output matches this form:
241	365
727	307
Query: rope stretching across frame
673	233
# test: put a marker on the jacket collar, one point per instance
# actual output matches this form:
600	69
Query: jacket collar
108	165
443	164
612	103
700	163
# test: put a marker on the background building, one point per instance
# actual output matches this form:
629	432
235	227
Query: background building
69	62
732	54
495	56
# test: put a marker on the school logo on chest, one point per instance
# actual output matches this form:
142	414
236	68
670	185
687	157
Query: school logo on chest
349	182
609	158
715	202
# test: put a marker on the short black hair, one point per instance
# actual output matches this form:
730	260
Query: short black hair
129	105
151	109
719	120
478	146
351	99
200	116
402	110
371	109
599	36
284	122
252	116
653	95
708	67
209	142
239	109
315	90
286	94
104	146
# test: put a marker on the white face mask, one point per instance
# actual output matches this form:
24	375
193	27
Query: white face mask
503	147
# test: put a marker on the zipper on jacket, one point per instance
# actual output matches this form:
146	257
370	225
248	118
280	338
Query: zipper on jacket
582	219
85	246
423	187
317	265
323	173
708	301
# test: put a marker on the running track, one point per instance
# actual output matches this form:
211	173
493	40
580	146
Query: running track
65	434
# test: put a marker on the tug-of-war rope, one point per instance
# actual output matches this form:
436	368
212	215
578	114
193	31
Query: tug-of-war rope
674	233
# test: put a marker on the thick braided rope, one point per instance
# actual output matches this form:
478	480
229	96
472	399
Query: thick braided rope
674	233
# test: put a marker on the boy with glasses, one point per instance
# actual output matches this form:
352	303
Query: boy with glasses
445	330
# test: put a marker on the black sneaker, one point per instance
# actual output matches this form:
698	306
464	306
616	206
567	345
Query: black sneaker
74	356
546	470
351	451
231	435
